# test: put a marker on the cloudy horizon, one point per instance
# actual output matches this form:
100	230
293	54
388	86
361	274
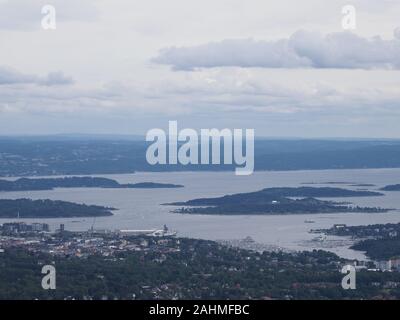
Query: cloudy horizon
124	67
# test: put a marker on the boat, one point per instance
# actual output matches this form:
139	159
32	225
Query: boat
129	232
164	232
309	221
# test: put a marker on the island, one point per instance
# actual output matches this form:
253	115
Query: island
277	201
351	184
394	187
27	208
27	184
363	185
153	185
329	182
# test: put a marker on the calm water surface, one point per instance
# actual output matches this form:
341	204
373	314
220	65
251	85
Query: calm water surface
141	208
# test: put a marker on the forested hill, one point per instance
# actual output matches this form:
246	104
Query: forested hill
36	156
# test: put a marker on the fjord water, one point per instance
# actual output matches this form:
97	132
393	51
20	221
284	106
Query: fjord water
142	209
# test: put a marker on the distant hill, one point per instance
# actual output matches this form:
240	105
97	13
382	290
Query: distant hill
25	156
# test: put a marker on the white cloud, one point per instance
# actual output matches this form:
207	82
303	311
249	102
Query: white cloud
302	50
27	15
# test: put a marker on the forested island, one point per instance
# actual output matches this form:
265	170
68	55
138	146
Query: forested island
351	184
278	201
27	208
27	184
394	187
153	185
322	192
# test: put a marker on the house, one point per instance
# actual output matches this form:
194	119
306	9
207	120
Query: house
384	265
395	263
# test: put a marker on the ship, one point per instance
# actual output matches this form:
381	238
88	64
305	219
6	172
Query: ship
164	232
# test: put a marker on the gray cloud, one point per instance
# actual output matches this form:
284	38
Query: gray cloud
56	79
118	91
253	98
9	76
344	50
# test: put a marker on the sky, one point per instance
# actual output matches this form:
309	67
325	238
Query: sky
282	68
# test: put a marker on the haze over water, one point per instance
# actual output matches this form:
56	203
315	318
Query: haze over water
142	209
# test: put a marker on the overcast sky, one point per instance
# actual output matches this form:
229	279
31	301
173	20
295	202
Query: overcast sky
283	68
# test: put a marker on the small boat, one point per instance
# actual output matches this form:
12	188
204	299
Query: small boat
309	221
